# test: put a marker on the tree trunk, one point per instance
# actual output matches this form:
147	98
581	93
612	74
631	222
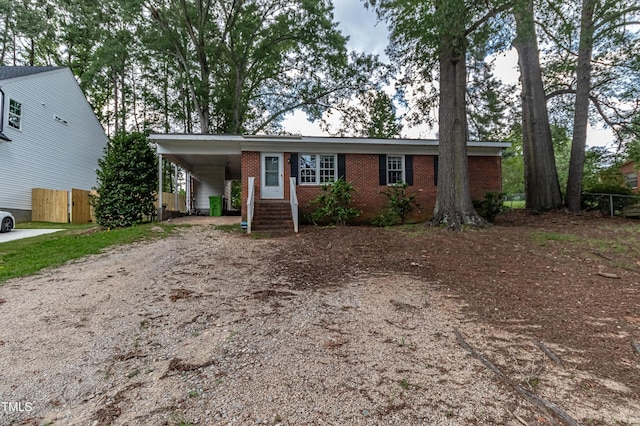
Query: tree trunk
573	195
454	206
541	184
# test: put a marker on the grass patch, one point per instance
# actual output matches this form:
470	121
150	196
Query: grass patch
28	256
515	204
52	225
234	228
543	237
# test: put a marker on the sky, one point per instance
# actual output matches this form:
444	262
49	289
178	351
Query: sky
368	35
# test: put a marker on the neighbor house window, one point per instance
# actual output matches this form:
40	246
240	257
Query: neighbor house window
317	169
632	179
15	114
395	169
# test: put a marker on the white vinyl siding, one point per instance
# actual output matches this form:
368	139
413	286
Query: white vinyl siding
317	169
46	153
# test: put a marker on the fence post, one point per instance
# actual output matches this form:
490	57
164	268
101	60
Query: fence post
611	204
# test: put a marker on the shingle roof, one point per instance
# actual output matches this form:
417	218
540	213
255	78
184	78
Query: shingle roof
13	72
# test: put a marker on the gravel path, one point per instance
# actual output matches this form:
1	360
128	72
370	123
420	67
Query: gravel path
199	329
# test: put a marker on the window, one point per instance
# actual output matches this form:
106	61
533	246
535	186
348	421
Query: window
316	169
632	179
395	169
15	114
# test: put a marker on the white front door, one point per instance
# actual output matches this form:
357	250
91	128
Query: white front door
272	176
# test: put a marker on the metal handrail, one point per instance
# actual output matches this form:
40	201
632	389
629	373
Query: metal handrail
293	199
250	202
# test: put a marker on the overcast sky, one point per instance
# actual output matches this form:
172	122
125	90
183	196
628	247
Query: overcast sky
368	35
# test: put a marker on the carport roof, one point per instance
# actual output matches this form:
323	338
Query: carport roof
235	144
193	150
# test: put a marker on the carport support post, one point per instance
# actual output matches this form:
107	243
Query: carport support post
159	188
175	188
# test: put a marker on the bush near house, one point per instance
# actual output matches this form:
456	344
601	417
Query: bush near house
127	181
491	206
332	205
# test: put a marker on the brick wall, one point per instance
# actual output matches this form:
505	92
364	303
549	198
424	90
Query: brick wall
485	175
362	171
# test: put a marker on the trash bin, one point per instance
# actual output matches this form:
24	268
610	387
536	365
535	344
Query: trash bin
215	205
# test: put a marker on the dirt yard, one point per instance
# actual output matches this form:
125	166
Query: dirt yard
347	325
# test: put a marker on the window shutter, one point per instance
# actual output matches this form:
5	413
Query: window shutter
294	166
435	170
382	169
342	167
408	169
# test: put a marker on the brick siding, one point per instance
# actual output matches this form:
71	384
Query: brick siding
362	171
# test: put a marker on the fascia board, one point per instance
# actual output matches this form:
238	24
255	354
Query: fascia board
203	144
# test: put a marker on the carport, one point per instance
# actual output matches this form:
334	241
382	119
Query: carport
210	166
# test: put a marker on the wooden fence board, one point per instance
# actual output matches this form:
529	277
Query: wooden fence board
80	206
169	199
49	205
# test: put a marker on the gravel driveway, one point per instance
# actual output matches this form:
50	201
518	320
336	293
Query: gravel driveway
200	328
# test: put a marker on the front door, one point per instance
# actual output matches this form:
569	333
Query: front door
272	181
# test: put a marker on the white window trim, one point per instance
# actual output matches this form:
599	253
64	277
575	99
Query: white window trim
632	177
403	169
317	168
14	114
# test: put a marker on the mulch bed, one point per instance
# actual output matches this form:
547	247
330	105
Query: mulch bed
574	279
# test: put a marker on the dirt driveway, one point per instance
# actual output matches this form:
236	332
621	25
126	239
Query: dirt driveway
335	326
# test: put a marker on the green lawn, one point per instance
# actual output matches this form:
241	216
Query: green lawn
27	256
517	204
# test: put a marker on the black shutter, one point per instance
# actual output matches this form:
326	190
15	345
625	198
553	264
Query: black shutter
294	166
382	169
435	170
342	167
408	169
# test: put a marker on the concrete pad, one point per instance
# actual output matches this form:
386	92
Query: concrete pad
17	234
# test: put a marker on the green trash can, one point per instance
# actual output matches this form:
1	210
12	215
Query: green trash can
215	205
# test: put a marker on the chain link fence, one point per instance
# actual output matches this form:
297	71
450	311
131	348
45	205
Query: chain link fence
612	204
608	204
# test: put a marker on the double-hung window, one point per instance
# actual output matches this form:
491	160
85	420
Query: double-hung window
15	114
395	169
317	169
632	179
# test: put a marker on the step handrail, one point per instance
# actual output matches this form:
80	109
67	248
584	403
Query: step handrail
250	202
293	199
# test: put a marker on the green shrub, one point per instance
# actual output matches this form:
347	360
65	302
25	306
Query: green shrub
401	202
332	205
127	178
594	201
384	219
491	206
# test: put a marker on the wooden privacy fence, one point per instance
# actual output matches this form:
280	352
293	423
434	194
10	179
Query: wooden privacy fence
169	199
60	206
52	205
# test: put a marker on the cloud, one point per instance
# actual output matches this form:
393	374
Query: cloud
365	33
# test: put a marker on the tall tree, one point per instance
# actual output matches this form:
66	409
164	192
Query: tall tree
246	64
430	35
581	113
371	114
542	188
597	44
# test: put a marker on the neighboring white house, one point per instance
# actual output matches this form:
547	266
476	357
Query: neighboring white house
49	136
